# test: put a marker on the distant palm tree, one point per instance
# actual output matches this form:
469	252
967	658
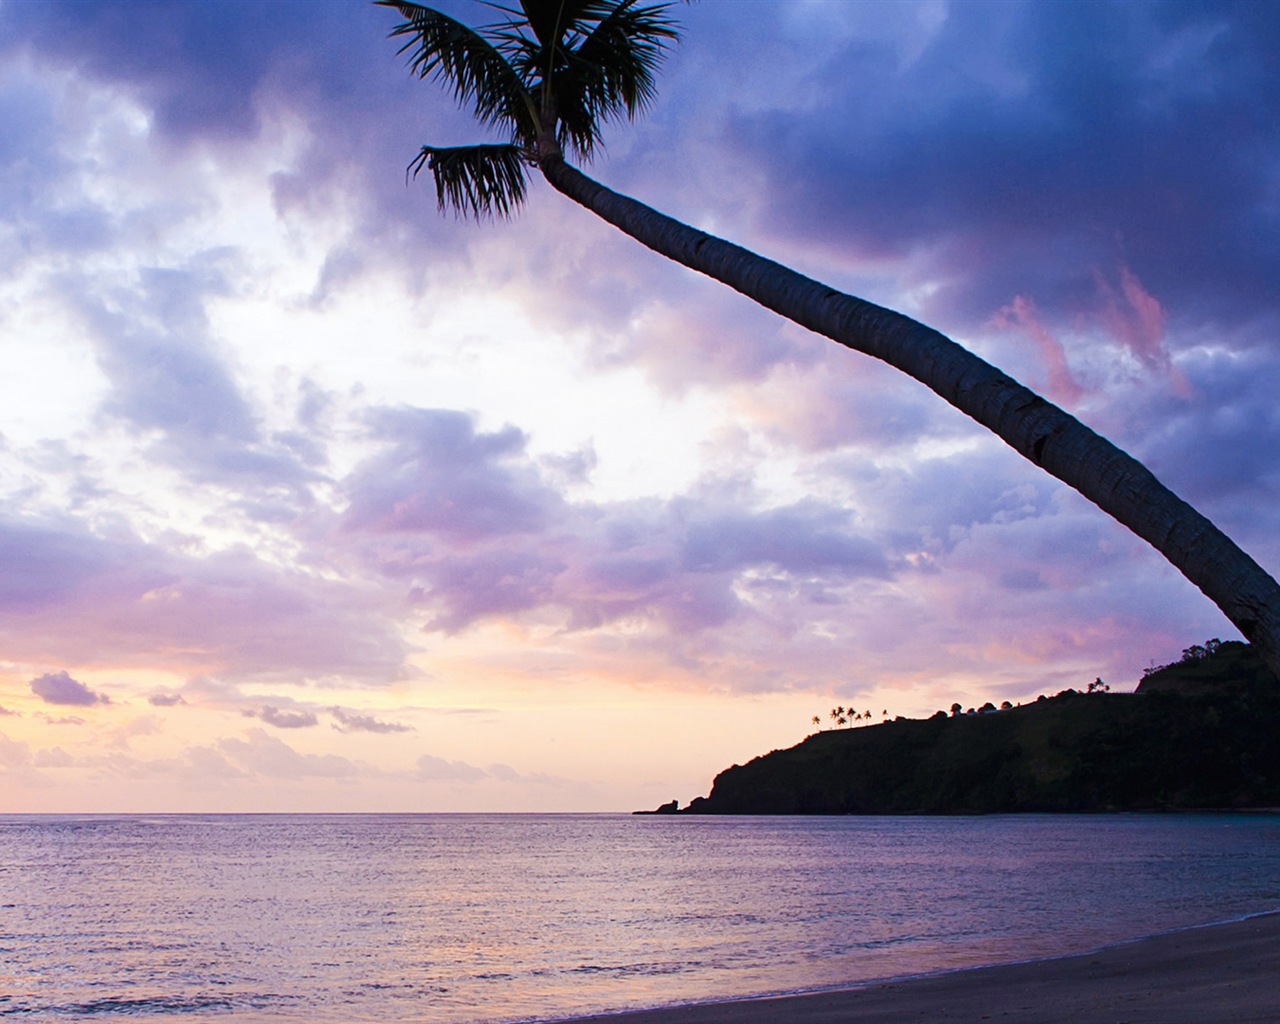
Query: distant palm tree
550	73
817	722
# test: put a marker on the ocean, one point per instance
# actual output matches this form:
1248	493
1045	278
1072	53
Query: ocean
462	919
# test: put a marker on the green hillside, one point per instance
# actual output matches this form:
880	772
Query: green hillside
1202	733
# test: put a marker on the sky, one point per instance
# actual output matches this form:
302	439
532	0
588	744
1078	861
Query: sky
315	499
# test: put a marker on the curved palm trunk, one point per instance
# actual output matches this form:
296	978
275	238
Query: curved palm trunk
1051	438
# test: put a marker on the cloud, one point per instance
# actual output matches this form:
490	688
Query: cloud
439	475
1060	385
350	721
437	769
505	773
78	596
466	521
285	719
54	757
1054	164
265	755
60	688
196	198
44	567
171	382
13	753
5	712
203	67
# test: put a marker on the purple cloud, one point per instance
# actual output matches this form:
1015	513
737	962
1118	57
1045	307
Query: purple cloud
440	476
60	688
267	756
168	378
14	754
203	67
437	769
284	719
806	538
675	564
1083	126
492	583
1103	225
44	565
350	721
77	596
166	700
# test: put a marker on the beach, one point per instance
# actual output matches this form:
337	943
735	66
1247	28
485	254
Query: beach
1212	975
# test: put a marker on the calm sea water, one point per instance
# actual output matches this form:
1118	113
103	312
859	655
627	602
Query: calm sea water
456	919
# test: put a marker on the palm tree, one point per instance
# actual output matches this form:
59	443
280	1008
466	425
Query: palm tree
550	73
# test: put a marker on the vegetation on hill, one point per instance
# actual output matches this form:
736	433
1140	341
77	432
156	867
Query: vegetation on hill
1200	733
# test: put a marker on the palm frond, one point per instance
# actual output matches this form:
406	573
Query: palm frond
546	18
473	66
475	181
609	67
597	59
616	63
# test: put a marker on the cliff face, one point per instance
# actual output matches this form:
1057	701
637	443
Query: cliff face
1210	742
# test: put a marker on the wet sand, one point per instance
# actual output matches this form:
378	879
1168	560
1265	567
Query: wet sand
1212	975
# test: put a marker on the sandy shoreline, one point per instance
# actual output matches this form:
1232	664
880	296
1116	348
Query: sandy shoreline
1211	975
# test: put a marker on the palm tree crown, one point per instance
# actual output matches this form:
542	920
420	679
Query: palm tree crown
548	73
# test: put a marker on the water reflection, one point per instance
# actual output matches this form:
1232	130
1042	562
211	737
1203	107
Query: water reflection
460	918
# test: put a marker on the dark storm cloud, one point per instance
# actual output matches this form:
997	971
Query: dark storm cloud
60	688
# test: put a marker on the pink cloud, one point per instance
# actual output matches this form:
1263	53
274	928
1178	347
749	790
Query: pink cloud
1136	319
88	600
265	755
350	721
1021	314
